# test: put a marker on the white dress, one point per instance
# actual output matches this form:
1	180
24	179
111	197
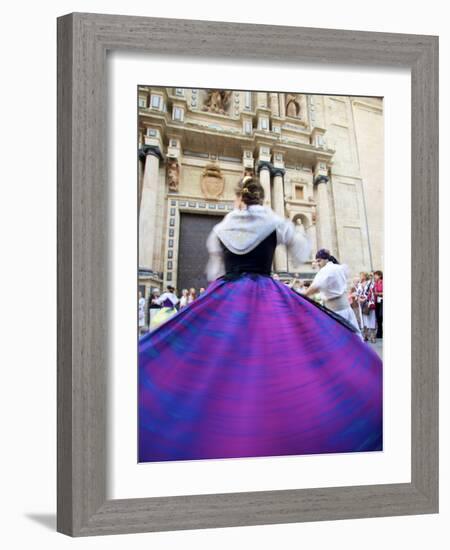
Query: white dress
369	320
331	281
141	312
168	301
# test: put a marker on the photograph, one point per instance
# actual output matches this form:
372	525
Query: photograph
260	273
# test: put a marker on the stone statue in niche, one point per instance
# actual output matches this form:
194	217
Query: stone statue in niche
173	175
213	182
292	105
300	226
217	101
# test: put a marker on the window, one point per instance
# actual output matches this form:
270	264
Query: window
156	102
177	113
299	192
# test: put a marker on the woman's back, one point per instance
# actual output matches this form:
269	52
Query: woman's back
252	233
258	260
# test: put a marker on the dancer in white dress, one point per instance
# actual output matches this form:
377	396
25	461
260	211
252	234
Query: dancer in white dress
168	302
331	282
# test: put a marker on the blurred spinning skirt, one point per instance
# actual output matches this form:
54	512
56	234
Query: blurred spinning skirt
251	368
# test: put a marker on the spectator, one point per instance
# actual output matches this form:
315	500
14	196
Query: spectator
141	316
366	298
378	288
184	298
354	302
192	295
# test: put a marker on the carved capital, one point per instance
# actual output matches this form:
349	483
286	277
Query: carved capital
150	150
321	179
264	165
278	172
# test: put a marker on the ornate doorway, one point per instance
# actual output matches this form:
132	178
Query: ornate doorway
192	253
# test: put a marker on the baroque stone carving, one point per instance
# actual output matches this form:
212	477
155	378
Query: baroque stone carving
173	174
213	182
292	105
217	101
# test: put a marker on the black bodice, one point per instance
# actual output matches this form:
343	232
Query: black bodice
258	260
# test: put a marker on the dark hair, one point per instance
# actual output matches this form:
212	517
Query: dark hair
324	254
170	288
251	191
379	273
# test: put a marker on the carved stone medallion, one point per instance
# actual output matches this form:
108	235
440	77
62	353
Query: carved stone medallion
213	182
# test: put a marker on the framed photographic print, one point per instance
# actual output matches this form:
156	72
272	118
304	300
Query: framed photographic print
240	304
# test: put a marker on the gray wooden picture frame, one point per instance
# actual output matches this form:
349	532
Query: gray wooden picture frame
83	41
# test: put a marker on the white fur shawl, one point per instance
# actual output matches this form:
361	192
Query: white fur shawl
242	230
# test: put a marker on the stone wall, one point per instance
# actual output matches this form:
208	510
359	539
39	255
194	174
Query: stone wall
320	159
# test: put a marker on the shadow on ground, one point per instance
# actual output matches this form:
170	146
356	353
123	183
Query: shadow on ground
47	520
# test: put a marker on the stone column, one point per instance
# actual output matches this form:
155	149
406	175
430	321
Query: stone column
278	206
274	104
261	99
264	169
282	98
324	233
141	178
147	212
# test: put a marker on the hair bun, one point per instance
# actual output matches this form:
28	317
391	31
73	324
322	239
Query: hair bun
251	190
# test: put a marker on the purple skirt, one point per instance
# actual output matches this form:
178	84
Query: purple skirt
251	368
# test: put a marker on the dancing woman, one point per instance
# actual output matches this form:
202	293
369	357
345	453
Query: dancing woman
168	302
331	282
234	375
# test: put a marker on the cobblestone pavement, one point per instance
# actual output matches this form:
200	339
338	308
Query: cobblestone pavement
378	347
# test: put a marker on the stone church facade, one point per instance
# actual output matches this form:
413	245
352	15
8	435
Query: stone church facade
319	159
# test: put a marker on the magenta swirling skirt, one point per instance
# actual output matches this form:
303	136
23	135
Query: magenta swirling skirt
251	368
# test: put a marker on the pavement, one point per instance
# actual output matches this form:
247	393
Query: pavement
378	347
